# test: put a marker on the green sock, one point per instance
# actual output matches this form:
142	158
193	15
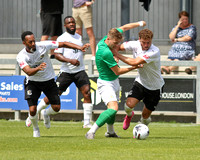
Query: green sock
112	120
106	117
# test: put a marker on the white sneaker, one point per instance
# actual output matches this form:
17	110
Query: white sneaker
36	132
145	121
28	122
90	135
87	126
46	119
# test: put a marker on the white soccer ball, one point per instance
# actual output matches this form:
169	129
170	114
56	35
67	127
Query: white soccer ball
140	131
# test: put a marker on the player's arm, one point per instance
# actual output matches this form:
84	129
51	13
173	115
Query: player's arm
62	58
129	26
31	71
119	71
130	61
73	46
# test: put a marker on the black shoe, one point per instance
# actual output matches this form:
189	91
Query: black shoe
188	71
114	135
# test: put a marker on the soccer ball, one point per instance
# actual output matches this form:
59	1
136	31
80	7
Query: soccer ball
140	131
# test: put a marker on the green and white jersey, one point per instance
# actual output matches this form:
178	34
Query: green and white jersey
105	60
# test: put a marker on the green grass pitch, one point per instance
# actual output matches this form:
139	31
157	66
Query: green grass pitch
66	141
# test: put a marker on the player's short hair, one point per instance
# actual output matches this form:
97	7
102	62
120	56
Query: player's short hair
145	34
24	34
183	13
115	34
67	18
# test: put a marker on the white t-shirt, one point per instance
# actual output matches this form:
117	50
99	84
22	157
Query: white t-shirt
34	59
150	75
71	53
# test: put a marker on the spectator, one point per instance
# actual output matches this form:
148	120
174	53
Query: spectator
183	35
51	18
82	13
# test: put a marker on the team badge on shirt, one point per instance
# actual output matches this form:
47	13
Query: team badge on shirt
29	92
58	84
146	57
21	64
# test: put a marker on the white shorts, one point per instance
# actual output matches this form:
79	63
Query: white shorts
109	90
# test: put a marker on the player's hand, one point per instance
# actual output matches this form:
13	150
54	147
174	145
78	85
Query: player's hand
42	66
116	59
115	51
74	62
138	66
144	23
85	47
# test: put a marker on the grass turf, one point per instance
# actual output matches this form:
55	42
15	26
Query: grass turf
66	141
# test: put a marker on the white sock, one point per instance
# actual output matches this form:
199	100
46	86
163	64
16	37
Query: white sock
110	128
145	121
34	120
50	111
87	116
94	128
41	105
128	110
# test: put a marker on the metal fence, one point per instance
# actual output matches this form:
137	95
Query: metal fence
20	15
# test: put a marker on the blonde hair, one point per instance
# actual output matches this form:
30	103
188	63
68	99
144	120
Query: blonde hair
115	34
146	34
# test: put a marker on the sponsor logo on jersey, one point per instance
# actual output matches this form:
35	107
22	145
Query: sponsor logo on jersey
146	57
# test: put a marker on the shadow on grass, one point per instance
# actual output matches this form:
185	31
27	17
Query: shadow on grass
61	136
154	138
166	138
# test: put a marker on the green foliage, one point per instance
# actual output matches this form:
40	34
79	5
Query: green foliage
66	141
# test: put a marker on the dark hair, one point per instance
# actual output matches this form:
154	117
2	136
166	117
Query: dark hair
67	18
183	13
24	34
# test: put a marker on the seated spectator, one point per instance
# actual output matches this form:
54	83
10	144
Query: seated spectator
183	35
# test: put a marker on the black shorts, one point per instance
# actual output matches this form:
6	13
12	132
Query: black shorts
65	79
149	97
33	91
51	24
